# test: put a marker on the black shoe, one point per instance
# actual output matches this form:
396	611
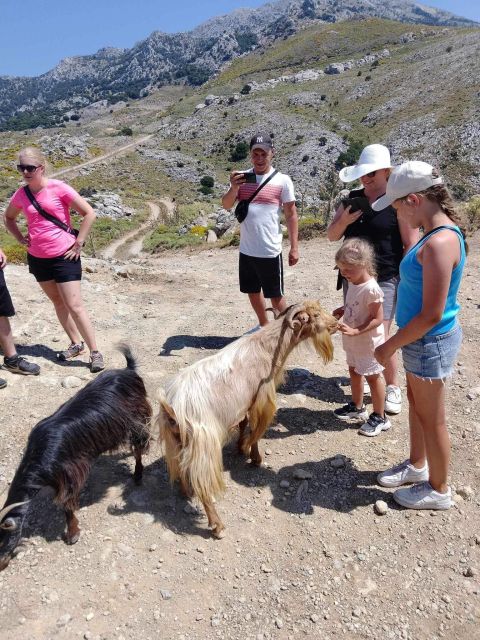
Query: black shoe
17	364
351	412
3	383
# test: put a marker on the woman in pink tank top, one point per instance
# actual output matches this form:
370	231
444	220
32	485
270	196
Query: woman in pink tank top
53	252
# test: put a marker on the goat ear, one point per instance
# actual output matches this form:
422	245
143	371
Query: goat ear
9	524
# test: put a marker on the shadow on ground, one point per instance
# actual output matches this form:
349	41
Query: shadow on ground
176	343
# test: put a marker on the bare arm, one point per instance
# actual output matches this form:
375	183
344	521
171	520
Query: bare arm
229	198
341	220
438	256
375	319
291	220
3	260
81	206
11	224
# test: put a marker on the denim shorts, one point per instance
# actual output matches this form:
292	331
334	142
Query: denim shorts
433	356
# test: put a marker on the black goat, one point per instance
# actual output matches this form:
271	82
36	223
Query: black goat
108	412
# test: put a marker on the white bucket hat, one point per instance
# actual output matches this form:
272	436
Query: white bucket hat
409	177
373	157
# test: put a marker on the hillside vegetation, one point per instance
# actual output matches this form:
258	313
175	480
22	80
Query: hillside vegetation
412	87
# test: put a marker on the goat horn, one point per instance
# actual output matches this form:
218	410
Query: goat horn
10	507
290	313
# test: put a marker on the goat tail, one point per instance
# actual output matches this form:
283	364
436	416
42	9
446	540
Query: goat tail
125	349
193	454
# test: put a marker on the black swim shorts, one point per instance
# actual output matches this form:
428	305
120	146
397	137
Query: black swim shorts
264	274
6	305
59	269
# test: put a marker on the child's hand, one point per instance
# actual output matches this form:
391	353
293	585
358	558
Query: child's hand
338	312
346	330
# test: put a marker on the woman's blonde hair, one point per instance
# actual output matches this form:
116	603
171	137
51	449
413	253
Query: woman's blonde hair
35	154
359	252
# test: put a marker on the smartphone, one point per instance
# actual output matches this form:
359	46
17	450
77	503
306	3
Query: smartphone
250	177
356	204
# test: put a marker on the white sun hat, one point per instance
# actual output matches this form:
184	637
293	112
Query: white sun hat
409	177
372	158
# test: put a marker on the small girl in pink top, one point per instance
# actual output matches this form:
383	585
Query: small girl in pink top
362	329
54	253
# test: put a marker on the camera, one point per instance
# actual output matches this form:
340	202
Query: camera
250	177
356	204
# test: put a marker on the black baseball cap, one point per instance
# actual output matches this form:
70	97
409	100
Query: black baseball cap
261	141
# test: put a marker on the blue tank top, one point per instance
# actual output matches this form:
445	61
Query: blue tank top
410	289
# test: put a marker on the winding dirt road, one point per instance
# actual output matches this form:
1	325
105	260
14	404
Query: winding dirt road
130	245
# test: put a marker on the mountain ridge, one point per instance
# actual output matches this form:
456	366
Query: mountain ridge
190	57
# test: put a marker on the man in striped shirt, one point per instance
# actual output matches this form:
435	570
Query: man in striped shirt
260	262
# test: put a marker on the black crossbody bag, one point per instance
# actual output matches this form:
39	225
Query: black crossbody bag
48	216
241	210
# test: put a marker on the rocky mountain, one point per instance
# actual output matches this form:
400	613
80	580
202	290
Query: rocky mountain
183	58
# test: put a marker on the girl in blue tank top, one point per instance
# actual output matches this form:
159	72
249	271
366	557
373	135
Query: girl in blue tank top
429	334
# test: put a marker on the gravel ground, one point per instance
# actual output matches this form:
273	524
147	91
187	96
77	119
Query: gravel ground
305	552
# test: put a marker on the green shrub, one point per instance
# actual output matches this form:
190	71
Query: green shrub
240	152
206	190
126	131
207	181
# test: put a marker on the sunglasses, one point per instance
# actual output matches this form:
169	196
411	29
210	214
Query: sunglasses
30	168
370	175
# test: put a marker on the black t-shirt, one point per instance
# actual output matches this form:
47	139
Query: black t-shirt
381	229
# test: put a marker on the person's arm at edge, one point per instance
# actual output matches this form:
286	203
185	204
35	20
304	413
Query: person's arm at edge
229	198
291	220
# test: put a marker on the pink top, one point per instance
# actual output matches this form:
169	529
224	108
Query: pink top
46	239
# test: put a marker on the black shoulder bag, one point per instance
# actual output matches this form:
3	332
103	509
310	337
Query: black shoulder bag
241	210
48	216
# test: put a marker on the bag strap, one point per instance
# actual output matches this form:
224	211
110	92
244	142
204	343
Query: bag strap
249	200
48	216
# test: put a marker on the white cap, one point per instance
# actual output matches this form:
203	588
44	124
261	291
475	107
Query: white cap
372	158
409	177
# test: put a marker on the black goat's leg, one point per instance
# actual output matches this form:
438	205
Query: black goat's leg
138	473
73	530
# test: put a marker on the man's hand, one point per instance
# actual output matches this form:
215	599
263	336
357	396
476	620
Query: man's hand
292	257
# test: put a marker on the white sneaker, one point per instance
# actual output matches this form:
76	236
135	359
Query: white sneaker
403	473
423	496
393	399
375	425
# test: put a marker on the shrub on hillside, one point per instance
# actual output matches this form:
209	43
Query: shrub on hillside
207	181
240	152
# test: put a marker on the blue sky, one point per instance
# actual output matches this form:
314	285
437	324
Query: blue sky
36	34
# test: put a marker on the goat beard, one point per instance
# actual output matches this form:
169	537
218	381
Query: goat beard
323	345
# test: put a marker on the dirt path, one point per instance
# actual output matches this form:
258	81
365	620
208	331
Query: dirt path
110	154
302	558
124	247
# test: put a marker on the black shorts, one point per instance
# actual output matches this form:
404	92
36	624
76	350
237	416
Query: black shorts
6	305
59	269
264	274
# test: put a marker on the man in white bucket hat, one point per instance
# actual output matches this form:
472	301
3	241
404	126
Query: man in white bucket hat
390	239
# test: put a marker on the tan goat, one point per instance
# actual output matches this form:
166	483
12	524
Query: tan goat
204	403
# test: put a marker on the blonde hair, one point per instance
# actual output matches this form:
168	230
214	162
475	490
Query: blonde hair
35	154
359	252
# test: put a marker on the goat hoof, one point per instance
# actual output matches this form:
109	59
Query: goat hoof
256	462
137	480
218	533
